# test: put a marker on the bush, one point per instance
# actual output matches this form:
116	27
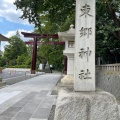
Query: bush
19	66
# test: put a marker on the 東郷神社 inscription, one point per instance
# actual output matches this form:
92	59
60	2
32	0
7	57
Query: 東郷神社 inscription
85	32
85	53
85	10
84	75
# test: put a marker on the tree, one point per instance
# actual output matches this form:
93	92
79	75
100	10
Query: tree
56	11
15	48
107	30
59	14
59	11
2	61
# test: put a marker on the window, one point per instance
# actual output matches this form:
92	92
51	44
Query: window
71	44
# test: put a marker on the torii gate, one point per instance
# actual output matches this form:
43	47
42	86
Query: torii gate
35	36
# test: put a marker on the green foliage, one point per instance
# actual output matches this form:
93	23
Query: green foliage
2	61
15	48
51	16
16	53
24	60
20	66
107	31
51	53
56	11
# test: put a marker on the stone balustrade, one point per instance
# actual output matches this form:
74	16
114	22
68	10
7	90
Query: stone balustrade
109	67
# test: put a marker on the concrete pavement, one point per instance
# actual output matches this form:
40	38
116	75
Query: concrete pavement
30	99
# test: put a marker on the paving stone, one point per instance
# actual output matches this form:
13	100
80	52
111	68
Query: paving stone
46	104
5	118
25	100
42	113
22	116
8	95
10	112
35	91
30	96
33	101
43	93
11	102
38	97
31	107
20	103
9	115
50	98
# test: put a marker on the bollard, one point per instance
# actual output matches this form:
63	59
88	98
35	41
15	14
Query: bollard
10	72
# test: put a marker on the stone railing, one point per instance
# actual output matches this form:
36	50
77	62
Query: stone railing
108	67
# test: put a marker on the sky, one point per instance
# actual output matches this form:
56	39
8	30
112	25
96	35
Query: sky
10	21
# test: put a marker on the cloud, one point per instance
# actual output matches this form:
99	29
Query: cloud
8	11
12	33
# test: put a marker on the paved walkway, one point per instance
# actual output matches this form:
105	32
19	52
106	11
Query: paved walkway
30	99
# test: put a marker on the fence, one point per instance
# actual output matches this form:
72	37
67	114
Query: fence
108	67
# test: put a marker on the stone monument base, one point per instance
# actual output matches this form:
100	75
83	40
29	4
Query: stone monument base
47	69
67	80
99	105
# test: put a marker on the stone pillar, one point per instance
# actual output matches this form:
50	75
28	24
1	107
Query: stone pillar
84	74
84	102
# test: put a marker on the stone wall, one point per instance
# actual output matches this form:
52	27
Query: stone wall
109	81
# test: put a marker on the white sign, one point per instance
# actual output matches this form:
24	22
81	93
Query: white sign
40	66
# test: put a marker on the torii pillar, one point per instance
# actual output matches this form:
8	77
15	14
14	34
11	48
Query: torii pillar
34	56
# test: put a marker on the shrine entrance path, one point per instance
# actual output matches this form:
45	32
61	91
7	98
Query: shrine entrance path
30	99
